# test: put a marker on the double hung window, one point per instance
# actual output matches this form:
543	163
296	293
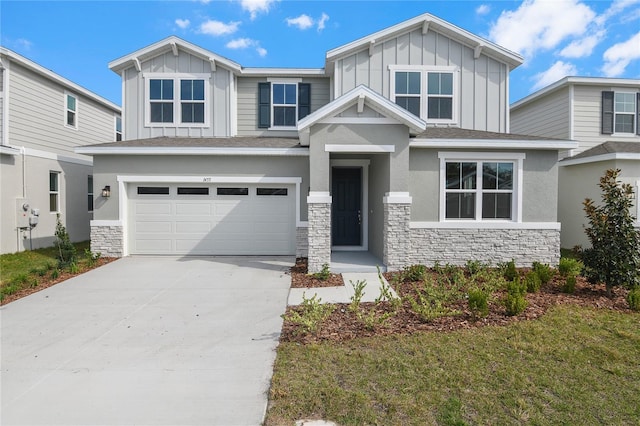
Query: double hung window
54	192
620	113
71	111
177	100
480	189
282	103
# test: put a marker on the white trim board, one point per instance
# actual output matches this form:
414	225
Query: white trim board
555	226
359	148
109	150
597	158
492	144
30	152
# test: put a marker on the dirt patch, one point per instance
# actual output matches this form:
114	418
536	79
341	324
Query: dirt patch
47	281
344	325
301	279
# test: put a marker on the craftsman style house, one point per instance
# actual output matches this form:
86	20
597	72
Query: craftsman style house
602	115
399	146
43	117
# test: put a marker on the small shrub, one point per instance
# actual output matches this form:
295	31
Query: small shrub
310	314
66	250
515	301
324	273
414	273
510	272
431	302
372	319
55	274
473	267
386	293
569	285
358	292
74	268
569	266
479	302
543	271
633	298
20	279
42	272
533	282
92	258
34	283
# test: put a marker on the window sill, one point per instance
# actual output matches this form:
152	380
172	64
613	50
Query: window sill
178	125
623	135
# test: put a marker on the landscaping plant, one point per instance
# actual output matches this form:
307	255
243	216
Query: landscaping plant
614	255
543	271
66	249
633	298
532	281
358	292
324	273
478	303
569	266
310	314
510	272
515	301
569	284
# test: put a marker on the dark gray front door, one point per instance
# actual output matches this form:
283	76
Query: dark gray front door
346	191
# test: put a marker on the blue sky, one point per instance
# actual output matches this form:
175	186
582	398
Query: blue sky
77	39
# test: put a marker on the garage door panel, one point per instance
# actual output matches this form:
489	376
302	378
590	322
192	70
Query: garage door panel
213	224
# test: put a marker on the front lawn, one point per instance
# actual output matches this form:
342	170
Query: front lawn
574	365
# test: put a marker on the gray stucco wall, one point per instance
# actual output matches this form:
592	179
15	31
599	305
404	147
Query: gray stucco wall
539	185
108	167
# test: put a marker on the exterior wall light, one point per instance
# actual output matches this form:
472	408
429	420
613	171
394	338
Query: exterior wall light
106	191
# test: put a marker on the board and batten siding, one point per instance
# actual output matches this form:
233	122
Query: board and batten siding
482	98
247	101
219	97
587	118
38	115
548	116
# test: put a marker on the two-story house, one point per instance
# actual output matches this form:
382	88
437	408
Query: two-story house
398	147
602	115
43	117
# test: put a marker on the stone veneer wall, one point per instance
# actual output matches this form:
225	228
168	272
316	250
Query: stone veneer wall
107	240
319	236
396	237
302	242
456	246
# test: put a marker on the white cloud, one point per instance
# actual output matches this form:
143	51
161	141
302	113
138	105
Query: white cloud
616	7
303	22
540	25
256	6
245	43
554	73
217	28
483	9
617	57
582	47
322	21
23	43
183	23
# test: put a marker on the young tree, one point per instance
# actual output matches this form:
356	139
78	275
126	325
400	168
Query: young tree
66	249
614	256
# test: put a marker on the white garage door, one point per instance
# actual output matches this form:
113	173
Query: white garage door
226	219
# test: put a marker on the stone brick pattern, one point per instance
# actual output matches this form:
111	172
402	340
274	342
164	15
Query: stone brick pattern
396	238
107	240
456	246
319	232
302	242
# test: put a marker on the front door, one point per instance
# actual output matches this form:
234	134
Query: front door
346	219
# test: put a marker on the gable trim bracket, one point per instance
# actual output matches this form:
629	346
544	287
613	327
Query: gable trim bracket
477	51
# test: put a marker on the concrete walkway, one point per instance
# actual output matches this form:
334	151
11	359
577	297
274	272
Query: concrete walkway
344	293
147	341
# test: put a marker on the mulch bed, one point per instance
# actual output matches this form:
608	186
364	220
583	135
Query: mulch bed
343	325
47	281
301	279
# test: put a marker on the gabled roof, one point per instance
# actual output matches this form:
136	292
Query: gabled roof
361	96
428	22
174	44
568	81
610	150
67	84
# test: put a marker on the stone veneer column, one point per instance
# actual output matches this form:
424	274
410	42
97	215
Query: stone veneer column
319	231
107	238
396	237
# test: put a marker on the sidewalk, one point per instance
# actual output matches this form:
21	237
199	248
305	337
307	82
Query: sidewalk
344	293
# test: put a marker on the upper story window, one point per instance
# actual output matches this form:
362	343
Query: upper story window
176	100
427	92
71	111
480	189
282	103
118	128
620	113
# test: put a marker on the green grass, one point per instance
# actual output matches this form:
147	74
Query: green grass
573	366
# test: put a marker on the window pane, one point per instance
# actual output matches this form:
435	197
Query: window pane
284	116
118	124
198	90
153	190
71	103
271	191
198	113
440	108
278	93
446	84
53	181
460	206
156	112
411	104
401	83
453	175
193	191
187	112
414	83
71	118
290	94
289	116
155	89
186	90
233	191
625	102
468	176
90	202
167	89
278	116
167	113
624	123
496	206
53	202
90	184
490	175
505	175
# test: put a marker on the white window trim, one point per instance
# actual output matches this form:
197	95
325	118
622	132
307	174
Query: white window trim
176	77
273	81
90	192
66	110
425	70
115	127
633	114
57	173
476	157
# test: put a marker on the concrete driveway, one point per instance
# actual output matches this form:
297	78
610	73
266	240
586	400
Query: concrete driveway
146	341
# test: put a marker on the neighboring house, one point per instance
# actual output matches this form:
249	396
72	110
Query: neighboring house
43	117
398	147
602	115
